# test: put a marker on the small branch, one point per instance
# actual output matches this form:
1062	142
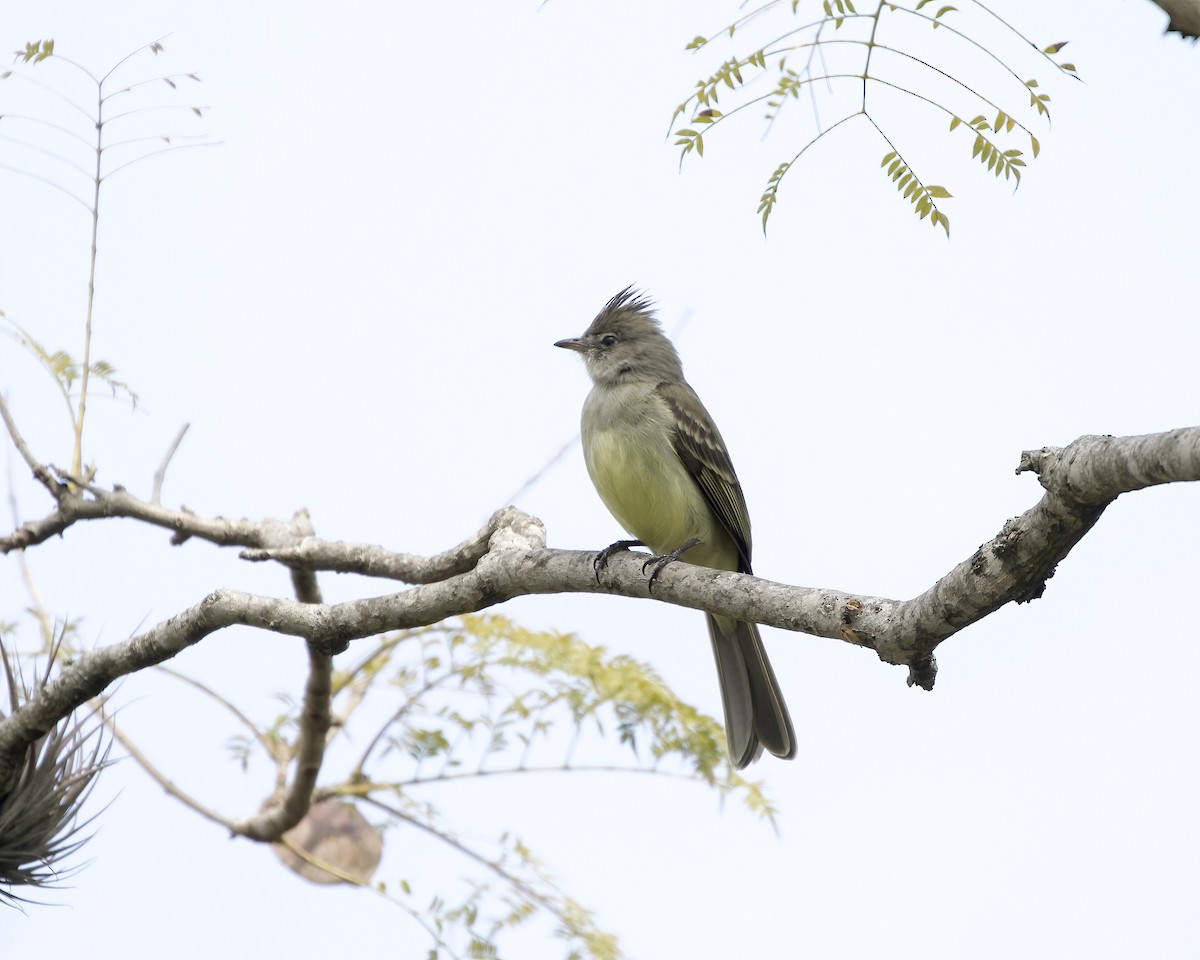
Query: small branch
372	561
273	822
362	788
156	153
315	718
40	472
208	691
154	46
161	473
89	502
159	777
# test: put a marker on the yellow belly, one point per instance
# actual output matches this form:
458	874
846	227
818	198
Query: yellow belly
646	487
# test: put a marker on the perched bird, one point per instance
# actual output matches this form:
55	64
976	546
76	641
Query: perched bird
660	466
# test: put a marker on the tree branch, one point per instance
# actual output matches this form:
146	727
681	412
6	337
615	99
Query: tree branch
1080	481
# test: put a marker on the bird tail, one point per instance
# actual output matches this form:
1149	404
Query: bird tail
755	714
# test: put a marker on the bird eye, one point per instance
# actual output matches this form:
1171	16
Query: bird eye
608	339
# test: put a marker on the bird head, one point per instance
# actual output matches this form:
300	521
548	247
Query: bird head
626	343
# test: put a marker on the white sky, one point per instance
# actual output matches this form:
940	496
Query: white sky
352	300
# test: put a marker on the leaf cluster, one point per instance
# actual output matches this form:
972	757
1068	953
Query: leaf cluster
481	698
884	55
40	802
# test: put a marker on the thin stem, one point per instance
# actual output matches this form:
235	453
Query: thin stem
166	106
523	886
47	153
157	153
365	788
161	473
929	66
975	43
413	698
158	776
57	94
823	133
129	56
78	66
870	50
167	137
38	609
245	721
165	78
54	126
40	471
62	382
46	180
542	471
1045	56
77	457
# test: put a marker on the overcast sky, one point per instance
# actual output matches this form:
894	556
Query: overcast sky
352	300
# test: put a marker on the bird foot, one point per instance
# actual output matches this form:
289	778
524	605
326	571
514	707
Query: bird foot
658	563
601	560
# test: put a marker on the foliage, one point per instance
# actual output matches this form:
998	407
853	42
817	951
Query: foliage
89	151
894	48
40	800
477	699
484	698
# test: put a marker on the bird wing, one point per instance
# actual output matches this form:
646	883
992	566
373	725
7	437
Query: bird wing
699	445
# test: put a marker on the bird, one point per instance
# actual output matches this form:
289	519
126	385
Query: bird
661	468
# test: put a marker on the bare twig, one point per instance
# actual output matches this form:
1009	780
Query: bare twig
161	473
40	471
168	785
208	691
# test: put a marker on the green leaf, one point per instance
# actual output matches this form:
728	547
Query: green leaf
1037	147
1055	47
954	122
940	192
888	158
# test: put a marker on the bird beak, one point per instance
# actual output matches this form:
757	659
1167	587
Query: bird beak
573	343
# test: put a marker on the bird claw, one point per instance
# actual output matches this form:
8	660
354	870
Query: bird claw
601	560
667	558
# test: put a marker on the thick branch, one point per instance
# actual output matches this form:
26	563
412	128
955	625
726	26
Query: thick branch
1080	481
290	805
288	543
